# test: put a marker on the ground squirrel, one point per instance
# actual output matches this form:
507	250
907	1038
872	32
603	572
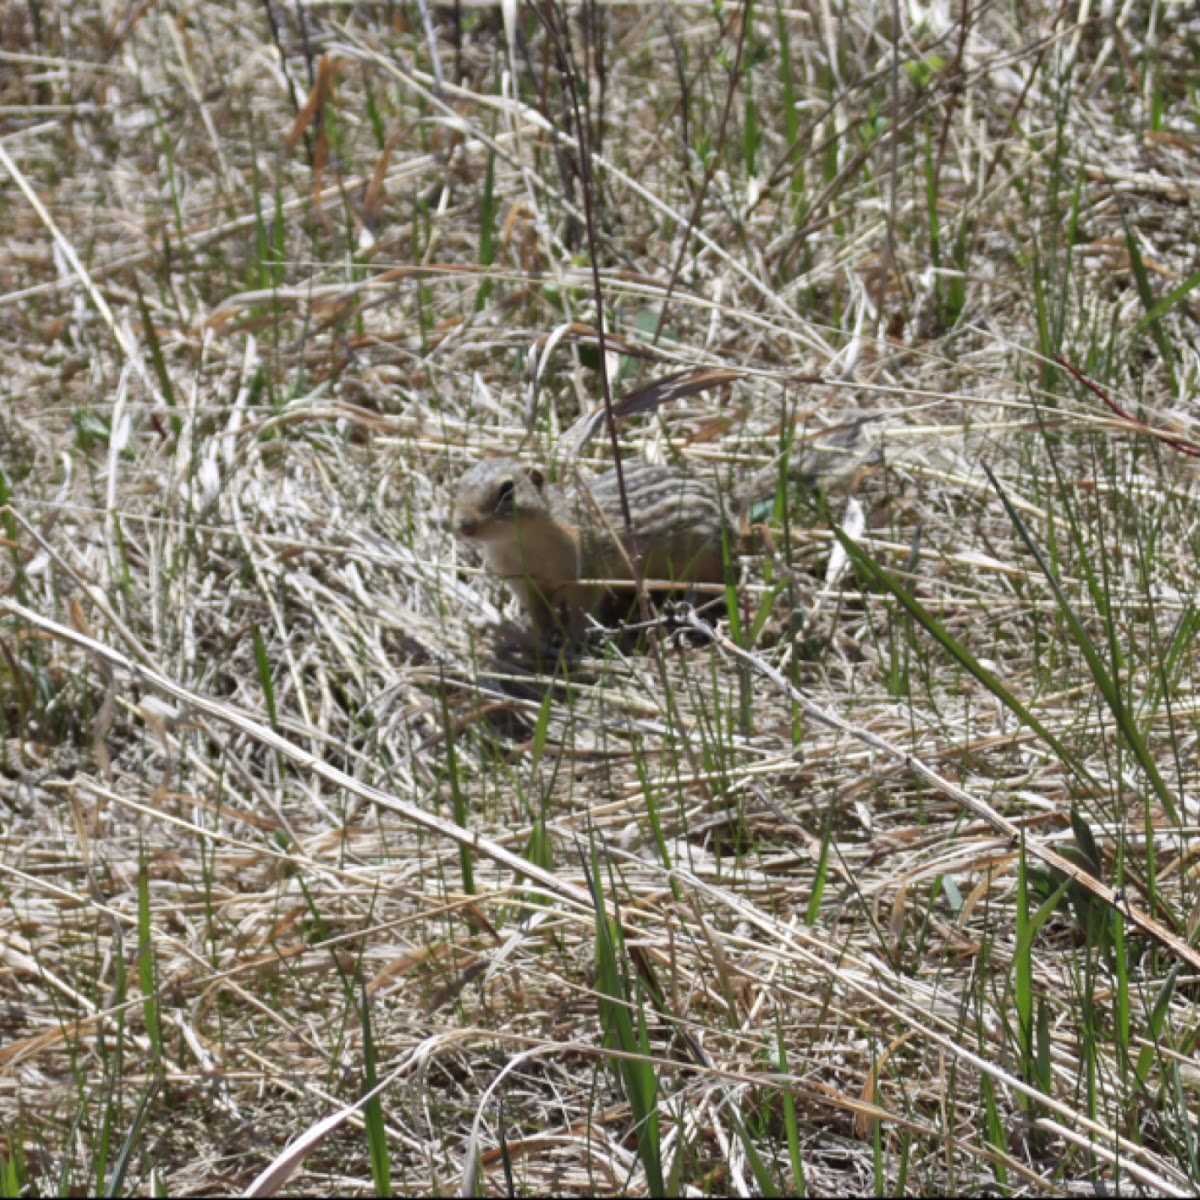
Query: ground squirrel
547	542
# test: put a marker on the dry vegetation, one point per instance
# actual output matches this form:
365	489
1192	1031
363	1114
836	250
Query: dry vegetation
271	274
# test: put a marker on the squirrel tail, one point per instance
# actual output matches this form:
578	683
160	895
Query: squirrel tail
835	458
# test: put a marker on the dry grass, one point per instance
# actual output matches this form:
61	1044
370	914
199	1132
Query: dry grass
267	286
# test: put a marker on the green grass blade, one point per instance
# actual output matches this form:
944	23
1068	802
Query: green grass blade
994	1128
12	1168
877	576
146	964
487	230
150	333
790	1123
1149	304
762	1175
1161	307
1154	1025
1122	1009
821	877
791	116
462	814
623	1028
116	1185
377	1143
262	662
542	730
1107	686
510	1187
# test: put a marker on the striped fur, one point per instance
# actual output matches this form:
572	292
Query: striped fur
555	548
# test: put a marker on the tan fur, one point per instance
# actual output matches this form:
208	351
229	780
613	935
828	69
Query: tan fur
555	548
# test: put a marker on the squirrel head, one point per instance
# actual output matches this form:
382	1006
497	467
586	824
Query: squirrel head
493	494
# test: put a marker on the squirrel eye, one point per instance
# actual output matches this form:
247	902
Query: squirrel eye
504	497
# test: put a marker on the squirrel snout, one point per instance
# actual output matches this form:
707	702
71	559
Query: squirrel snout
466	527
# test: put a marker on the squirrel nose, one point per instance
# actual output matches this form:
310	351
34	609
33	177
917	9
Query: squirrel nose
467	528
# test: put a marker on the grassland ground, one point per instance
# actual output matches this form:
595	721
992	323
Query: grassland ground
889	887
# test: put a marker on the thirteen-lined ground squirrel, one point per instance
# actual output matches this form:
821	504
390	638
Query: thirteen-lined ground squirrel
546	543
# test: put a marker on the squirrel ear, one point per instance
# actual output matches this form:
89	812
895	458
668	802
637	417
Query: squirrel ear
536	478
